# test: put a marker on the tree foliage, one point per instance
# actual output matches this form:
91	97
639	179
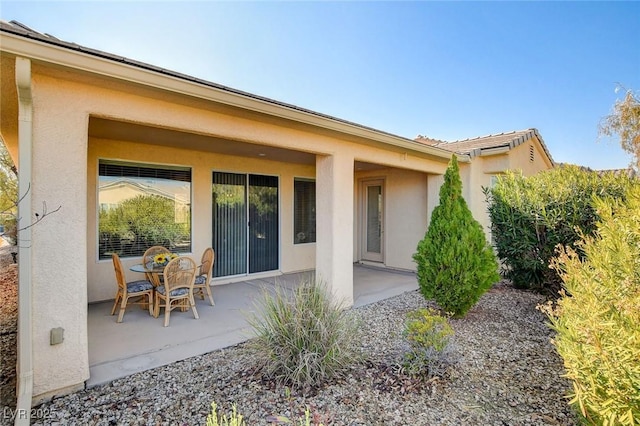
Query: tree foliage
531	215
141	222
10	199
455	264
8	194
624	121
598	319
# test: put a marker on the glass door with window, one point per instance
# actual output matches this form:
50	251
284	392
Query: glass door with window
372	220
245	223
263	223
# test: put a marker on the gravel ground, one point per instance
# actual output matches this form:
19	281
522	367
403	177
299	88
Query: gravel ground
506	373
8	325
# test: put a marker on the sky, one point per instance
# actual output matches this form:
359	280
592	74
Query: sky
446	70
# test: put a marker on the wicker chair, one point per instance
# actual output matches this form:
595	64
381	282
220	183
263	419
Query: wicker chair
140	289
147	261
201	284
177	290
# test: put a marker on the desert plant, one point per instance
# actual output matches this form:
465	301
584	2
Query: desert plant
232	419
428	335
304	337
531	215
215	418
307	420
598	319
455	264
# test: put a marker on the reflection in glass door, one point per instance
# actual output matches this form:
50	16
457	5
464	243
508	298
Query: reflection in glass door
245	223
229	224
263	223
373	205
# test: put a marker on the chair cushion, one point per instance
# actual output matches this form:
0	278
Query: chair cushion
174	293
138	286
201	279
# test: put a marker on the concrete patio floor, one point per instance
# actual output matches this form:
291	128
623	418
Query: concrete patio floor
141	342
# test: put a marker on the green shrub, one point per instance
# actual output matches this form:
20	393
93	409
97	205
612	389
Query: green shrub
530	216
428	335
598	320
303	337
455	264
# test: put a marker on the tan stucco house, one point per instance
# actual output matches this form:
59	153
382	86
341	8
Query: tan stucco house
273	187
491	156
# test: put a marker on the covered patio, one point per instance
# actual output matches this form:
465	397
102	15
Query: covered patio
141	342
272	187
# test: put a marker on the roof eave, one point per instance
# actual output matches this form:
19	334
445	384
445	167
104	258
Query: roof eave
498	150
49	52
503	149
529	135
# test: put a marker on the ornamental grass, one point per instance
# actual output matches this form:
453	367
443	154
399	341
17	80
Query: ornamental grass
304	337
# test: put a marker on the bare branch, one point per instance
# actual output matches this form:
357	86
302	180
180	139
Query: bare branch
39	216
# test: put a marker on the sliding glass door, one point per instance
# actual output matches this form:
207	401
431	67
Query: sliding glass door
229	224
245	223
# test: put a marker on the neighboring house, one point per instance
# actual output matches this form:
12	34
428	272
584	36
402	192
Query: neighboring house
111	193
630	172
274	188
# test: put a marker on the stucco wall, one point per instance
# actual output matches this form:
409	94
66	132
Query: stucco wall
405	214
293	257
494	164
482	168
59	243
66	272
334	223
467	172
519	158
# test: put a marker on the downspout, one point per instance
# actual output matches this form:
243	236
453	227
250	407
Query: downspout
25	140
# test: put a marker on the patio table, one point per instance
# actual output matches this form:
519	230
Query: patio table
154	273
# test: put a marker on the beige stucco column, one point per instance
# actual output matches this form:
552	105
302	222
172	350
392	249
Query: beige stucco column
59	244
434	182
334	224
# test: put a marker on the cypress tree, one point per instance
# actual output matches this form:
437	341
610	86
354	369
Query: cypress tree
455	263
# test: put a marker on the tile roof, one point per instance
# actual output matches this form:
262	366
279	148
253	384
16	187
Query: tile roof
474	146
469	147
18	28
617	172
629	171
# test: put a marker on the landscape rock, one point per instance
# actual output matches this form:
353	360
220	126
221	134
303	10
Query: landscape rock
506	373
